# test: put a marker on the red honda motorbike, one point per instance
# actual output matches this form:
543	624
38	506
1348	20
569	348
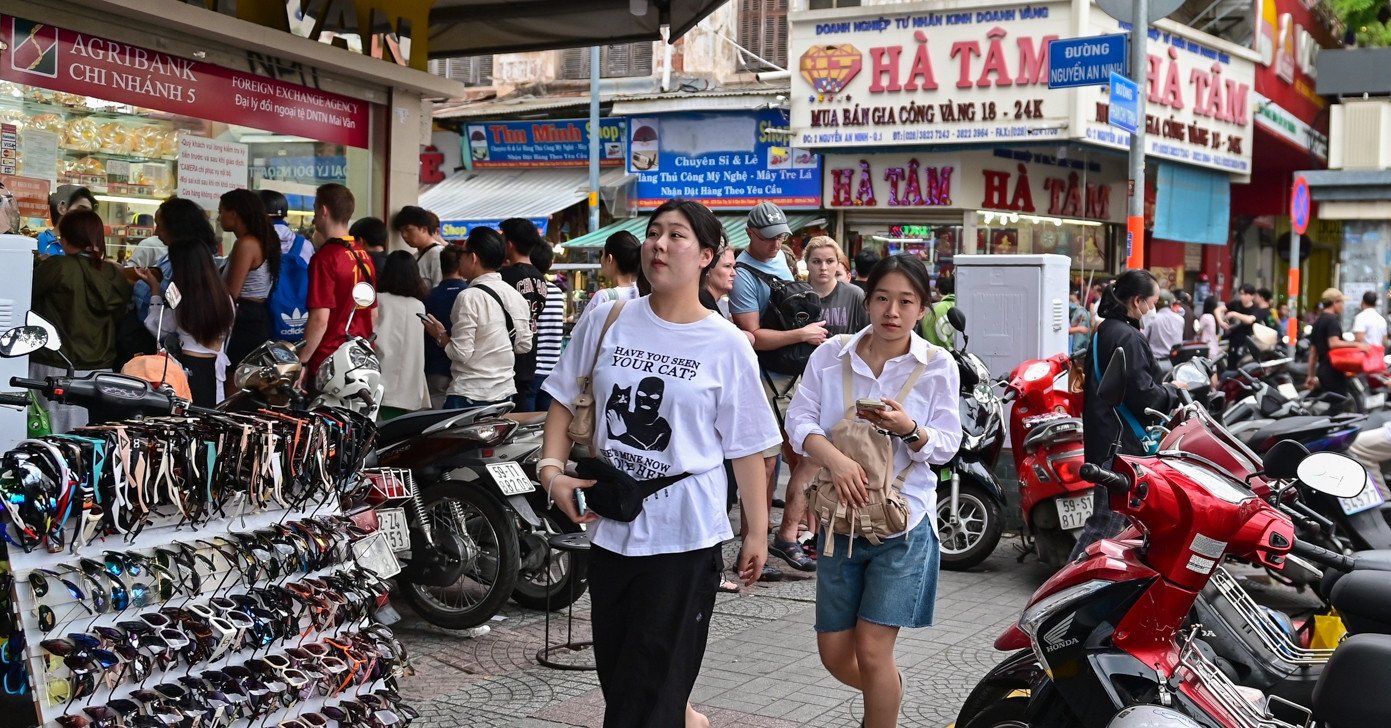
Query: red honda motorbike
1045	428
1106	633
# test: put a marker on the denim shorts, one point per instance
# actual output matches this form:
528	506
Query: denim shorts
893	584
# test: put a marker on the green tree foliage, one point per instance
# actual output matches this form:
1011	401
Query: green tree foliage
1369	21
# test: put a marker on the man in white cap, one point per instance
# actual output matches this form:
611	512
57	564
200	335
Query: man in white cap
763	260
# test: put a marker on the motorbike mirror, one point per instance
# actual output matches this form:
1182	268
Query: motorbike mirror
1285	460
1337	475
364	294
22	340
1111	388
956	319
53	342
1192	375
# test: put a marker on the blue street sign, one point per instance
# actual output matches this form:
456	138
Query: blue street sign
1299	205
1089	61
1125	103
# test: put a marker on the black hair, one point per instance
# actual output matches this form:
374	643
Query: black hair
1369	298
1266	293
543	256
413	215
946	285
912	268
449	259
83	229
249	208
206	313
401	277
1210	305
626	250
371	231
1247	288
182	219
707	228
521	233
81	193
1135	283
864	262
487	244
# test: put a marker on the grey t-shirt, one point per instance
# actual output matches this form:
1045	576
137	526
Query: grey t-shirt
844	310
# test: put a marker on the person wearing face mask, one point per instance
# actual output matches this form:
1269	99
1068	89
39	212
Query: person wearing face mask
1132	295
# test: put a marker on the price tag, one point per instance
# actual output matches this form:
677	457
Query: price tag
172	295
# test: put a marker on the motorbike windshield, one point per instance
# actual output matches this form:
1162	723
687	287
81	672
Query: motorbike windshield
1216	484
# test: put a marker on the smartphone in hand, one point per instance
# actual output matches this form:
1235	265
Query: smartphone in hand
870	404
425	317
580	506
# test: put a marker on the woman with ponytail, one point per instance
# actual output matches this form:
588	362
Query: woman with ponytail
1130	296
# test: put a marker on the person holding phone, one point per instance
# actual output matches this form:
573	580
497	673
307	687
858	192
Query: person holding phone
401	300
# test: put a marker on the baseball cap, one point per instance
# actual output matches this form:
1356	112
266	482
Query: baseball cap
769	220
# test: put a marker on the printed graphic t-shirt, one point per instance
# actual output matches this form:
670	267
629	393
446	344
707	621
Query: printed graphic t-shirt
844	310
528	281
670	399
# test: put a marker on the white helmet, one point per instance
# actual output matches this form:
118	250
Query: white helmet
351	378
1151	716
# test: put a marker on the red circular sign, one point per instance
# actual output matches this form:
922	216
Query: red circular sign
1299	205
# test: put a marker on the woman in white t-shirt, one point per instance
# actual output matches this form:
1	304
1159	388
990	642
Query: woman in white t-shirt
677	391
865	592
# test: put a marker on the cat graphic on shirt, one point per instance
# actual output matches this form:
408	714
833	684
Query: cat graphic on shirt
635	419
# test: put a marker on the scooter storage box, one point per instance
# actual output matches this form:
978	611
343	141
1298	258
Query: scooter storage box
1352	691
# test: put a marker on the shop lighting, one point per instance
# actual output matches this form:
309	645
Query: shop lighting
994	216
128	200
882	239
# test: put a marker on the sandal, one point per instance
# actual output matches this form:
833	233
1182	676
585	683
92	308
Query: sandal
728	587
792	553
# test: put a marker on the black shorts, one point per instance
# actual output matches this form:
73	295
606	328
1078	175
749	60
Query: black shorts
250	329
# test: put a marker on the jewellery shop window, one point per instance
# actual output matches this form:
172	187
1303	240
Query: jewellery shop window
129	157
1087	243
937	244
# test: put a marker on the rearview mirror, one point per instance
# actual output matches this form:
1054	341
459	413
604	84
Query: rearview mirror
1111	388
1337	475
53	342
364	294
1192	375
22	340
1284	460
956	319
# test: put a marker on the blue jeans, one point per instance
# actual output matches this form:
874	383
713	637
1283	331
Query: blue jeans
458	401
893	584
541	400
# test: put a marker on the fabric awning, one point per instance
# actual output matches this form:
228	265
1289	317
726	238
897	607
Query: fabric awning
479	27
466	200
736	229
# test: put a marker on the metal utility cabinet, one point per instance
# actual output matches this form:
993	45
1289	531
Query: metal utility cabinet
16	257
1015	305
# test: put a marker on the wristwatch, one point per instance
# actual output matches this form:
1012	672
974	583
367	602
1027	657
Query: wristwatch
913	436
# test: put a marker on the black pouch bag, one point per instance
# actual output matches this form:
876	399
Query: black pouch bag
615	494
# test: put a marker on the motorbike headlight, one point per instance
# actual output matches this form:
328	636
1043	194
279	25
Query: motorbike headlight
325	374
1034	617
363	357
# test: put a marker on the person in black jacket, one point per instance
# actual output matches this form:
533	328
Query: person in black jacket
1132	295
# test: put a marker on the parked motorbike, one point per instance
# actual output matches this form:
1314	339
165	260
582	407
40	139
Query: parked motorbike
1105	632
970	499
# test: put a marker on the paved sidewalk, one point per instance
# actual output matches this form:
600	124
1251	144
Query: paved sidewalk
760	669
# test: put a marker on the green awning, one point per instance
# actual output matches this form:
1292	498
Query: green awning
735	229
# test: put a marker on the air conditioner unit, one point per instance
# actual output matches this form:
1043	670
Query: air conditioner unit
1361	135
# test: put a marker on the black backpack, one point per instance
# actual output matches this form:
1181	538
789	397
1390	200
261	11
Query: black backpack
791	305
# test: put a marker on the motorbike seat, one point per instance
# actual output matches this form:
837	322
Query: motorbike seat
1299	427
1374	560
1363	598
1351	691
409	425
1067	429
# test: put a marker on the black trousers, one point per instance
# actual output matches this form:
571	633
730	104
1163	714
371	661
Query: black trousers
651	618
250	329
202	379
1332	380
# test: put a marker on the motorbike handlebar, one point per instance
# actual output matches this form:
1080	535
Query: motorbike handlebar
115	391
1322	556
1105	478
16	400
38	384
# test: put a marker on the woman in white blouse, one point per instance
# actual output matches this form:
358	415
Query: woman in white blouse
865	594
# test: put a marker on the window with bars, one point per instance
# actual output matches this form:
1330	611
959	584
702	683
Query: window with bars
763	30
615	61
828	4
470	71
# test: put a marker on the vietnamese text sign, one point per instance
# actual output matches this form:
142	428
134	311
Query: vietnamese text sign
918	77
30	195
1125	104
555	143
62	60
1074	62
722	160
459	229
208	168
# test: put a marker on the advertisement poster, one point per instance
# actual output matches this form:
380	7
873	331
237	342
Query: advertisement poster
208	168
554	143
40	154
62	60
22	199
722	160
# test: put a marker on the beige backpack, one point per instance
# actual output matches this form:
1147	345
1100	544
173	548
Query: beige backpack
886	511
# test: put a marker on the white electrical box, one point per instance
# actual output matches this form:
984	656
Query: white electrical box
16	257
1015	305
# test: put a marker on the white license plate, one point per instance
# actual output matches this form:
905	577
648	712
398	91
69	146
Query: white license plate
1368	499
373	553
1287	390
391	522
1073	512
510	478
1375	401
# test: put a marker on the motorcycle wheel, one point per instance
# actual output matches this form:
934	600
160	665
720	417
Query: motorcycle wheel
566	571
1011	713
1054	547
976	532
472	600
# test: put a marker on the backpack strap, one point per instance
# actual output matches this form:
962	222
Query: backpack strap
511	327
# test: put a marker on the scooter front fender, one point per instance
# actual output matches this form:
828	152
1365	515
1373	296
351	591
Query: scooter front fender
1019	671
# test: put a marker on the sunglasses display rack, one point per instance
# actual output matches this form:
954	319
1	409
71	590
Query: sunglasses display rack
178	572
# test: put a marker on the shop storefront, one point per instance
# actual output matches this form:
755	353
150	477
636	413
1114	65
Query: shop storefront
896	98
136	113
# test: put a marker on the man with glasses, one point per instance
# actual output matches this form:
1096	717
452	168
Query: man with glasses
768	230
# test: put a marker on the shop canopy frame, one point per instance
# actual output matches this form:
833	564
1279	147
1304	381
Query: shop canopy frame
481	27
488	196
736	229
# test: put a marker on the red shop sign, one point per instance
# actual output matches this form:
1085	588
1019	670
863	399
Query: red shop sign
62	60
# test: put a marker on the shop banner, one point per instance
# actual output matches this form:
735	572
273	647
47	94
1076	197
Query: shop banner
63	60
966	75
459	229
208	168
722	160
559	143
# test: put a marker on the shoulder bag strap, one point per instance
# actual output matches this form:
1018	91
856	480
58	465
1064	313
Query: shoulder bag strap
908	385
847	384
507	317
587	379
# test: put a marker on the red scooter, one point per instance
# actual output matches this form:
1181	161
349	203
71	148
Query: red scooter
1045	428
1106	633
